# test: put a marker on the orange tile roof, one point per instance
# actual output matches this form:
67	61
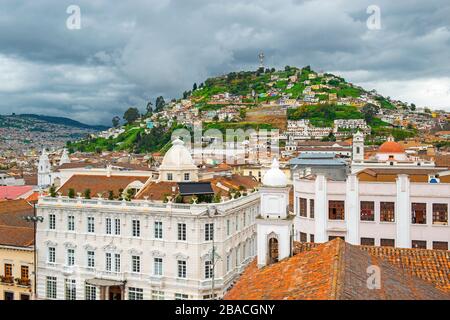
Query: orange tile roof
14	230
16	236
338	271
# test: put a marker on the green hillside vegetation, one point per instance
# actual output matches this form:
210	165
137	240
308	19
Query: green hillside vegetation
323	115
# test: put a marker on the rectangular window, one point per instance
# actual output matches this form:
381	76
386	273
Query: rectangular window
158	266
108	262
90	292
70	257
311	238
135	293
135	264
108	226
336	210
419	213
303	207
70	289
209	231
24	273
91	259
311	208
117	262
51	287
387	242
8	270
186	177
169	176
440	245
181	264
181	296
387	211
208	269
90	225
228	227
51	255
367	211
440	213
157	295
181	232
51	221
367	241
237	223
228	262
117	227
158	230
419	244
303	237
70	223
136	228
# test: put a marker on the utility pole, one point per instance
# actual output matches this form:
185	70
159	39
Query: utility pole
35	219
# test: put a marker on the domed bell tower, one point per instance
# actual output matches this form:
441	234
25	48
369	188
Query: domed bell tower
275	224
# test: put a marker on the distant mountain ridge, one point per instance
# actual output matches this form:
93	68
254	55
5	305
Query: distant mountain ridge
60	120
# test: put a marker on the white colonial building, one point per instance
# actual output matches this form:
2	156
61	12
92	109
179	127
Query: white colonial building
101	249
388	207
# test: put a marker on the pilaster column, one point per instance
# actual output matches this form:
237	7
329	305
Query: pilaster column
403	212
352	209
320	210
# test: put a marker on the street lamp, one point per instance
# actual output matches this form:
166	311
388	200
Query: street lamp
35	219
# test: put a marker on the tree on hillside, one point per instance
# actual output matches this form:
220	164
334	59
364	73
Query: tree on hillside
369	111
131	115
159	104
413	107
115	121
194	87
149	108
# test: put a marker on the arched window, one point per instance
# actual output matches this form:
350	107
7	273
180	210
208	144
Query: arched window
357	150
273	250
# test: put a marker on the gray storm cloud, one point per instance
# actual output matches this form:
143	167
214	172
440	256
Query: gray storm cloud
130	52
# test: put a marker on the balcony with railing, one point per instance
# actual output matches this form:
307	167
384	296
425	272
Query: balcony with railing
23	282
8	280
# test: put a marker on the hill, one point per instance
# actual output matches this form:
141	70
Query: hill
63	121
252	99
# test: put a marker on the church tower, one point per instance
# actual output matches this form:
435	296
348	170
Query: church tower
275	224
358	147
44	171
64	157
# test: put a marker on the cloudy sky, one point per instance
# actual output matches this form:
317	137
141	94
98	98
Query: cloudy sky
131	51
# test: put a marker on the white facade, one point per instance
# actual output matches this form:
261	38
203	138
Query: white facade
315	221
44	171
167	254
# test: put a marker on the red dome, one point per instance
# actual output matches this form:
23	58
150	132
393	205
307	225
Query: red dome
391	147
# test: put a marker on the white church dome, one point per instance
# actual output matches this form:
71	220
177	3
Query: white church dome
275	177
178	157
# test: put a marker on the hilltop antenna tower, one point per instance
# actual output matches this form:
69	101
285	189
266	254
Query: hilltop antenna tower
261	59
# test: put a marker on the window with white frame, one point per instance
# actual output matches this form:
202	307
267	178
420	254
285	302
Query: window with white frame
51	221
208	269
237	223
136	224
158	229
117	226
71	223
228	227
90	224
181	264
108	262
186	177
70	257
50	287
108	226
181	231
169	176
70	289
135	293
157	295
135	264
51	255
228	262
90	292
117	262
91	259
181	296
158	266
209	231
